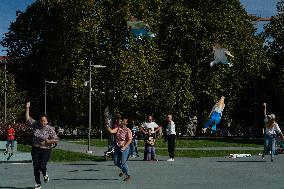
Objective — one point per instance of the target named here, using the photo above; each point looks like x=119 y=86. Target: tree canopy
x=56 y=40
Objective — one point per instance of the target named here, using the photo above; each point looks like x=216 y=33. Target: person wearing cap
x=271 y=128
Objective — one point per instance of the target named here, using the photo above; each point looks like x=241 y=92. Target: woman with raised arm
x=123 y=138
x=44 y=137
x=215 y=115
x=271 y=128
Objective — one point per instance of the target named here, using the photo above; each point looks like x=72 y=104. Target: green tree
x=274 y=85
x=188 y=30
x=14 y=99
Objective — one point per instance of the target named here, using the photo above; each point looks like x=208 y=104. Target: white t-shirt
x=272 y=130
x=151 y=125
x=219 y=54
x=171 y=128
x=218 y=109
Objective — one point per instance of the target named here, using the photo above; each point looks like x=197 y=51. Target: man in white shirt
x=145 y=126
x=171 y=137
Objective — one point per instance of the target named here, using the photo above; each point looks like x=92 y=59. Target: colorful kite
x=139 y=28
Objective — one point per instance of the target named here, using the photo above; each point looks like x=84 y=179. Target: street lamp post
x=90 y=103
x=101 y=119
x=45 y=82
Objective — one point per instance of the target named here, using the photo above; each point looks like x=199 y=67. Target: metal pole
x=45 y=92
x=101 y=129
x=45 y=96
x=90 y=108
x=90 y=103
x=5 y=92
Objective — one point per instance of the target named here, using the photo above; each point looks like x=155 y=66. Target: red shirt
x=11 y=134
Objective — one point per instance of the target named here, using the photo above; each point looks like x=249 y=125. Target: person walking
x=10 y=140
x=44 y=136
x=123 y=138
x=171 y=137
x=271 y=128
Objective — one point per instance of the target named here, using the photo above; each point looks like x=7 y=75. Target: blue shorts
x=10 y=142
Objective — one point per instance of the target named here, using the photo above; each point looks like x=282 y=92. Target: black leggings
x=40 y=158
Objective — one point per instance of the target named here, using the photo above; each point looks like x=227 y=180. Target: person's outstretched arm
x=264 y=110
x=27 y=114
x=228 y=53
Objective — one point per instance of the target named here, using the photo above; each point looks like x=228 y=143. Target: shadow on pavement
x=243 y=161
x=9 y=187
x=82 y=179
x=80 y=164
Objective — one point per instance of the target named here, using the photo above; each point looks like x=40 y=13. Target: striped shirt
x=123 y=135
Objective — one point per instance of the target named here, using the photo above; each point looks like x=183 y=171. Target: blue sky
x=8 y=8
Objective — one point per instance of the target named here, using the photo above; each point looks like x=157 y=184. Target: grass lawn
x=205 y=153
x=186 y=142
x=67 y=156
x=58 y=155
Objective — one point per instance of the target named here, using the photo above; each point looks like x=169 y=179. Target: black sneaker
x=46 y=178
x=6 y=152
x=271 y=159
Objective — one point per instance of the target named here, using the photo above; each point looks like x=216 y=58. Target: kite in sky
x=139 y=28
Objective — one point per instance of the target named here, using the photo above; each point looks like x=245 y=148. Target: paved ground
x=193 y=173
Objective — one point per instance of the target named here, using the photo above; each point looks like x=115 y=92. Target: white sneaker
x=212 y=63
x=46 y=178
x=171 y=159
x=37 y=186
x=231 y=64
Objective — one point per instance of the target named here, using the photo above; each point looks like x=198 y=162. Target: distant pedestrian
x=271 y=128
x=134 y=144
x=10 y=140
x=150 y=144
x=114 y=124
x=171 y=137
x=123 y=138
x=44 y=136
x=143 y=128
